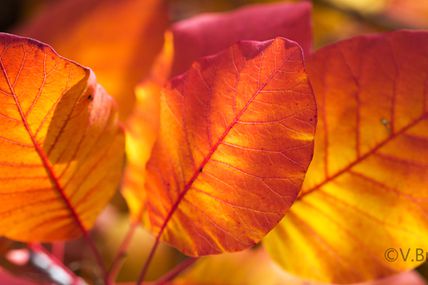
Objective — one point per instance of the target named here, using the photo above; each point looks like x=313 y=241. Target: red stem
x=176 y=271
x=122 y=252
x=97 y=256
x=148 y=261
x=38 y=249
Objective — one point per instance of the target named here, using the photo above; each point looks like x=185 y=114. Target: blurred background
x=332 y=20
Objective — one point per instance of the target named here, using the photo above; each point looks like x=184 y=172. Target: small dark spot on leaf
x=90 y=97
x=384 y=122
x=201 y=169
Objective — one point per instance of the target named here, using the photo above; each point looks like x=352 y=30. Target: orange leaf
x=209 y=34
x=118 y=39
x=60 y=144
x=366 y=189
x=236 y=138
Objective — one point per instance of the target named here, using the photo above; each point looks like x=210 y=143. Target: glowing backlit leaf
x=367 y=188
x=236 y=138
x=61 y=150
x=117 y=39
x=211 y=33
x=206 y=35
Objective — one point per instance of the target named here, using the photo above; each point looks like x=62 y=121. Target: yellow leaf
x=366 y=190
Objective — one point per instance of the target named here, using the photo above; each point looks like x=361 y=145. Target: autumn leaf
x=236 y=138
x=61 y=150
x=366 y=189
x=117 y=39
x=254 y=267
x=210 y=33
x=205 y=35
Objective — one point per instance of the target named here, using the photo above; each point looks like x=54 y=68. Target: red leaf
x=208 y=34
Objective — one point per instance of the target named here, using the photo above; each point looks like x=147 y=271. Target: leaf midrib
x=213 y=149
x=42 y=155
x=364 y=157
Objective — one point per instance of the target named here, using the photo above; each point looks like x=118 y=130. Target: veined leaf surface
x=61 y=150
x=206 y=35
x=236 y=138
x=367 y=188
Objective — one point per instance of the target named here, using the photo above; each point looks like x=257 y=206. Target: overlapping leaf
x=61 y=149
x=366 y=190
x=117 y=39
x=236 y=138
x=207 y=34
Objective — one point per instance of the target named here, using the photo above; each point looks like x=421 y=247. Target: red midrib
x=363 y=157
x=45 y=160
x=213 y=149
